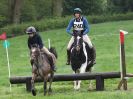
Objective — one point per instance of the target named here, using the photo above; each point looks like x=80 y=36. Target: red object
x=3 y=36
x=122 y=37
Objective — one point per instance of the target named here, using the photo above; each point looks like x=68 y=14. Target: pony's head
x=34 y=52
x=78 y=42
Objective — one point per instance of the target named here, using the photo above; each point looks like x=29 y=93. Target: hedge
x=55 y=23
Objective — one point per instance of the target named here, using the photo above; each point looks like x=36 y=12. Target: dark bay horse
x=41 y=67
x=82 y=57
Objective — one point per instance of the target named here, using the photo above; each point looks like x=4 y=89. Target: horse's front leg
x=32 y=84
x=77 y=82
x=50 y=83
x=82 y=70
x=75 y=85
x=90 y=81
x=45 y=85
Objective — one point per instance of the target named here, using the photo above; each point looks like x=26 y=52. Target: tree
x=28 y=11
x=43 y=8
x=119 y=6
x=88 y=6
x=14 y=10
x=57 y=7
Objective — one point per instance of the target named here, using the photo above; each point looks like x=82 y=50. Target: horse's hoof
x=90 y=88
x=76 y=88
x=45 y=94
x=33 y=92
x=50 y=92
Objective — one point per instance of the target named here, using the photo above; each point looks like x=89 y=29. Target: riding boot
x=68 y=57
x=93 y=55
x=53 y=67
x=31 y=61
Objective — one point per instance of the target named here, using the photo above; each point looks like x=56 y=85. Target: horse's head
x=34 y=52
x=78 y=41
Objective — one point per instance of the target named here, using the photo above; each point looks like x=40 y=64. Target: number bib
x=78 y=25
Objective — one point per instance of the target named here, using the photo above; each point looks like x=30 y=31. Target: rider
x=80 y=25
x=35 y=38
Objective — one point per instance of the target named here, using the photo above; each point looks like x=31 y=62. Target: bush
x=3 y=20
x=107 y=18
x=54 y=23
x=43 y=25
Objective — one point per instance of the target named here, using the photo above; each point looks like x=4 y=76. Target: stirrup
x=68 y=63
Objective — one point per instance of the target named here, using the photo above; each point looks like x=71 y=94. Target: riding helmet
x=30 y=29
x=77 y=10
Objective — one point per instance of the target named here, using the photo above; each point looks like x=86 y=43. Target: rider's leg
x=51 y=58
x=31 y=62
x=87 y=40
x=68 y=50
x=93 y=51
x=93 y=55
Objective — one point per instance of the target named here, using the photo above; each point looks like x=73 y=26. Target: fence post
x=122 y=61
x=99 y=83
x=28 y=84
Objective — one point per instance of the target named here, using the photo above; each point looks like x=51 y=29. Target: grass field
x=105 y=37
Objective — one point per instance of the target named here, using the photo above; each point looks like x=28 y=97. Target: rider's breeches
x=85 y=38
x=70 y=43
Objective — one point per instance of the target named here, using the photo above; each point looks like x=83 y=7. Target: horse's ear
x=37 y=46
x=31 y=46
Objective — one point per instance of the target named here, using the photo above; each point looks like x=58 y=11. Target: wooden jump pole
x=99 y=77
x=123 y=81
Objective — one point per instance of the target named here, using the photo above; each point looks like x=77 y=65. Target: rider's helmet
x=77 y=10
x=30 y=30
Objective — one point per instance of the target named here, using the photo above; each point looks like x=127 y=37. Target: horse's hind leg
x=32 y=84
x=50 y=83
x=77 y=82
x=45 y=86
x=90 y=81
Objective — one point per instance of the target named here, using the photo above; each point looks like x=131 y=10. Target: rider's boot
x=68 y=57
x=93 y=55
x=53 y=67
x=31 y=62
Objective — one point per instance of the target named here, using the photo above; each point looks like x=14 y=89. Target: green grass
x=105 y=37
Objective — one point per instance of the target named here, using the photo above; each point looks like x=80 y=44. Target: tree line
x=19 y=11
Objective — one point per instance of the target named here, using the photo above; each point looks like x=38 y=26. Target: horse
x=82 y=57
x=41 y=62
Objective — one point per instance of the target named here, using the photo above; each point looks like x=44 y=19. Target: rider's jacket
x=36 y=39
x=79 y=25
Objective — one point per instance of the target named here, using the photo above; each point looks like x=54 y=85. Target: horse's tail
x=53 y=50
